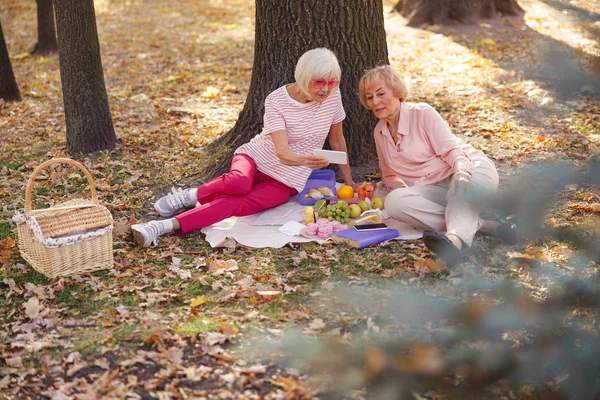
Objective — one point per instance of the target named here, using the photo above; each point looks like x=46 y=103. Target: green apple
x=377 y=202
x=355 y=210
x=364 y=206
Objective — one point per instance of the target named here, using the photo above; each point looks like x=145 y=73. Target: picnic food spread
x=328 y=210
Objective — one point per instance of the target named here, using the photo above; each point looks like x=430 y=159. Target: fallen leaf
x=317 y=324
x=228 y=329
x=102 y=363
x=524 y=256
x=122 y=227
x=14 y=362
x=375 y=361
x=289 y=383
x=198 y=301
x=427 y=265
x=423 y=358
x=5 y=256
x=256 y=369
x=210 y=92
x=4 y=382
x=269 y=294
x=213 y=338
x=32 y=308
x=219 y=267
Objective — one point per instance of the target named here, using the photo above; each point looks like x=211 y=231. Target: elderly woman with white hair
x=275 y=164
x=435 y=181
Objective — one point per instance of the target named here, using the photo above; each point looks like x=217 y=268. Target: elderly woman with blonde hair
x=275 y=164
x=435 y=181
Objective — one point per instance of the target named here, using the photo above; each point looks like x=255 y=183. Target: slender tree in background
x=9 y=90
x=442 y=11
x=46 y=29
x=284 y=31
x=89 y=123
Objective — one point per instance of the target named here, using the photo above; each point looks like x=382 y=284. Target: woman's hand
x=354 y=185
x=315 y=162
x=459 y=184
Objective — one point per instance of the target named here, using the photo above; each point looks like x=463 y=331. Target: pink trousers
x=244 y=190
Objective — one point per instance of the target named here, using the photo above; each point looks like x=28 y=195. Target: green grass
x=128 y=299
x=85 y=341
x=201 y=324
x=194 y=289
x=272 y=310
x=6 y=230
x=30 y=275
x=12 y=163
x=129 y=332
x=79 y=299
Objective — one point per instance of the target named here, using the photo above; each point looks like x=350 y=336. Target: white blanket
x=261 y=230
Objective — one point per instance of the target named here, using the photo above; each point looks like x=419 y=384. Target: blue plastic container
x=318 y=178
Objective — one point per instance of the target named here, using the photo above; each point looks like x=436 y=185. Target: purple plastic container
x=318 y=178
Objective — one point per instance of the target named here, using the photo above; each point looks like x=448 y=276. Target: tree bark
x=9 y=90
x=284 y=31
x=88 y=120
x=46 y=28
x=419 y=12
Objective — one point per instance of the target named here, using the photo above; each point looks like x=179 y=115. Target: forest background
x=185 y=320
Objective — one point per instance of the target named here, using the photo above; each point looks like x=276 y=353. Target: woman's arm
x=444 y=143
x=338 y=143
x=288 y=157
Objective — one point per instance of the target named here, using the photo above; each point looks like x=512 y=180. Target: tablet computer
x=334 y=157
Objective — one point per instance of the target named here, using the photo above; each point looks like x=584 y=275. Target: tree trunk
x=46 y=29
x=88 y=119
x=419 y=12
x=353 y=30
x=9 y=90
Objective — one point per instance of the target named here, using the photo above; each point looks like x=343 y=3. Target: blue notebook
x=357 y=239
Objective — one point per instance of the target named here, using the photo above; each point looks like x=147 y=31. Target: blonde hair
x=390 y=77
x=320 y=63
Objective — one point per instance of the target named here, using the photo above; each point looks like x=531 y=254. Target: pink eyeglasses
x=321 y=83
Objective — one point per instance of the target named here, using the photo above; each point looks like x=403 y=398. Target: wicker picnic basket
x=68 y=238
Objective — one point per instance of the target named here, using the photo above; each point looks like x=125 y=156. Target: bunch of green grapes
x=338 y=212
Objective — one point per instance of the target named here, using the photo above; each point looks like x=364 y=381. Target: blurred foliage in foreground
x=496 y=339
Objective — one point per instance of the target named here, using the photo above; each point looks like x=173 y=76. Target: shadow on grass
x=553 y=65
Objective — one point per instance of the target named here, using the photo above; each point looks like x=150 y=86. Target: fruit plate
x=318 y=178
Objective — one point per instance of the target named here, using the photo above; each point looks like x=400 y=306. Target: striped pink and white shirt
x=307 y=126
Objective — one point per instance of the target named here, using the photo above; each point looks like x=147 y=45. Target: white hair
x=318 y=63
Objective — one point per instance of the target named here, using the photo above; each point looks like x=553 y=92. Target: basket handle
x=57 y=161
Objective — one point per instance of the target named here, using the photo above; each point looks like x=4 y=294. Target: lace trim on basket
x=61 y=241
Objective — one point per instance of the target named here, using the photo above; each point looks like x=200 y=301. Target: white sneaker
x=175 y=202
x=146 y=234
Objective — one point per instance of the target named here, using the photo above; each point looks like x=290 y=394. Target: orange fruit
x=345 y=192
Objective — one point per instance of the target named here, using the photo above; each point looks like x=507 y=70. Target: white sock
x=193 y=193
x=166 y=226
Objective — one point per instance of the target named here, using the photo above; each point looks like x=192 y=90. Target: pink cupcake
x=325 y=231
x=311 y=229
x=336 y=226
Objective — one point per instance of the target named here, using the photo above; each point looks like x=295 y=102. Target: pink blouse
x=427 y=151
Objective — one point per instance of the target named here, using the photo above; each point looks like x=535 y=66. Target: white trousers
x=434 y=207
